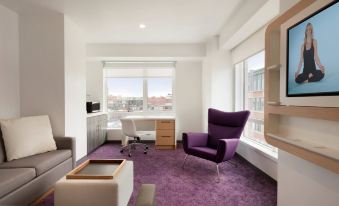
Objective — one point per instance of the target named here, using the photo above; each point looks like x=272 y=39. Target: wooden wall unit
x=282 y=128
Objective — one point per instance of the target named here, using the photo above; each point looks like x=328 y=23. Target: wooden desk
x=164 y=128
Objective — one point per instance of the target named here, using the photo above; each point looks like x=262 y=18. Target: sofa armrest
x=226 y=149
x=67 y=143
x=194 y=139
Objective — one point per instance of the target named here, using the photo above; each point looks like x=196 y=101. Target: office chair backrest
x=128 y=127
x=225 y=125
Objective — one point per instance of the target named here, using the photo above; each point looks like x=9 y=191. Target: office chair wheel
x=146 y=147
x=145 y=152
x=130 y=155
x=121 y=151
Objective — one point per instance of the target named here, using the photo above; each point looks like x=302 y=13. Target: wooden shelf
x=275 y=103
x=313 y=147
x=324 y=113
x=279 y=118
x=319 y=154
x=275 y=67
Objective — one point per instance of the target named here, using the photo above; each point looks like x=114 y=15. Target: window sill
x=258 y=148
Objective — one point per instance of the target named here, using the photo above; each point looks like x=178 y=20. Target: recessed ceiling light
x=142 y=26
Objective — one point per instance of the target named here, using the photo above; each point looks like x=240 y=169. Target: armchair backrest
x=225 y=125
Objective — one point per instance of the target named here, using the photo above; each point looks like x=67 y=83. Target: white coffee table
x=89 y=192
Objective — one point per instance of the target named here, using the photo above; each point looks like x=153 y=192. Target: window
x=132 y=91
x=159 y=94
x=249 y=95
x=124 y=94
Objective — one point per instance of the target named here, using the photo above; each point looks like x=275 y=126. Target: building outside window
x=249 y=95
x=160 y=94
x=124 y=94
x=137 y=91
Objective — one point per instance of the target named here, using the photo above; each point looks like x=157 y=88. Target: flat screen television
x=313 y=54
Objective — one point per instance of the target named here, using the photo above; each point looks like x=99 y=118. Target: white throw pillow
x=27 y=136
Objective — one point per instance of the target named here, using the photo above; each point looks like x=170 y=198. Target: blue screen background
x=326 y=32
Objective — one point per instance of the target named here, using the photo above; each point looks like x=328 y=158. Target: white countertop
x=149 y=117
x=94 y=114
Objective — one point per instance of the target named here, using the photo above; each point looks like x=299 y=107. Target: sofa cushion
x=41 y=162
x=27 y=136
x=11 y=179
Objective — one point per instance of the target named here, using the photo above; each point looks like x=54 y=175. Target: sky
x=257 y=61
x=133 y=87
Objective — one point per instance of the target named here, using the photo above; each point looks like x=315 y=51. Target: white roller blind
x=254 y=44
x=156 y=64
x=138 y=69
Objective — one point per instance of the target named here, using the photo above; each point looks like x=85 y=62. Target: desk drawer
x=165 y=137
x=165 y=124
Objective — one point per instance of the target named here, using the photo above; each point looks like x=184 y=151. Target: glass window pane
x=254 y=99
x=255 y=70
x=160 y=94
x=123 y=95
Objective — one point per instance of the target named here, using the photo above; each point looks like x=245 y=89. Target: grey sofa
x=24 y=180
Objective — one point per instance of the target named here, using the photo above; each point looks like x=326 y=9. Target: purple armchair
x=219 y=145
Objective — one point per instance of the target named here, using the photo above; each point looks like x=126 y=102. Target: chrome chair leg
x=129 y=151
x=218 y=173
x=132 y=145
x=183 y=164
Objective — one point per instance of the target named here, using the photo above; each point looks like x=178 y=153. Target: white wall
x=42 y=66
x=188 y=97
x=9 y=64
x=259 y=159
x=106 y=52
x=94 y=82
x=53 y=72
x=303 y=183
x=75 y=86
x=217 y=80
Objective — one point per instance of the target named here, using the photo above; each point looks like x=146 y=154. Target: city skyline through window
x=137 y=94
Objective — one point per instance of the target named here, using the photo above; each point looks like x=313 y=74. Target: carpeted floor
x=197 y=183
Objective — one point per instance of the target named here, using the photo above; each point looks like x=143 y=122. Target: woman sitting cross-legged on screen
x=309 y=56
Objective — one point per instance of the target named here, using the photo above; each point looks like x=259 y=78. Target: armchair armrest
x=226 y=149
x=64 y=143
x=194 y=139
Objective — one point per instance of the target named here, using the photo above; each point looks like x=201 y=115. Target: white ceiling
x=167 y=21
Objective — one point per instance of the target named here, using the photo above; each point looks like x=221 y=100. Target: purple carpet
x=197 y=183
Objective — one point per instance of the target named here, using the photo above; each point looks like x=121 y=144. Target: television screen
x=313 y=54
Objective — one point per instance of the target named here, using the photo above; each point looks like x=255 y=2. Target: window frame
x=270 y=150
x=145 y=96
x=144 y=75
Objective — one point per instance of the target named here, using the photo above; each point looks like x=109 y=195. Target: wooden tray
x=97 y=169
